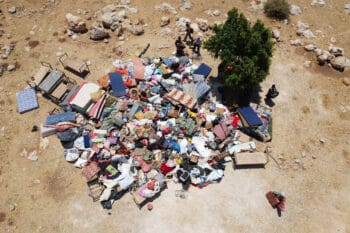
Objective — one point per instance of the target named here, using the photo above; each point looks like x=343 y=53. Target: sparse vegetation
x=278 y=9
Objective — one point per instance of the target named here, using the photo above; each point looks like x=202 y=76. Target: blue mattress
x=27 y=100
x=117 y=84
x=250 y=116
x=61 y=117
x=203 y=69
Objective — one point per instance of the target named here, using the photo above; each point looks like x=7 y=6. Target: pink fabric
x=139 y=69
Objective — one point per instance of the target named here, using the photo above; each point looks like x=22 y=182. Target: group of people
x=195 y=44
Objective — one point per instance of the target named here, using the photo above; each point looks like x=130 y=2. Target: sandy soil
x=311 y=121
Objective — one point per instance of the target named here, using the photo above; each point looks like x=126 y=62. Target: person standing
x=196 y=46
x=272 y=92
x=179 y=47
x=189 y=31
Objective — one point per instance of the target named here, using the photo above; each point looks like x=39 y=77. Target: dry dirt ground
x=50 y=195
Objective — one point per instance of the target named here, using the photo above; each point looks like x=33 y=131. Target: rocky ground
x=40 y=192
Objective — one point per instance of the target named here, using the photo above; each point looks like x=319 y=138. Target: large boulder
x=340 y=62
x=294 y=10
x=97 y=32
x=75 y=23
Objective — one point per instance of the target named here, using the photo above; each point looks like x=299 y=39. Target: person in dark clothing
x=179 y=47
x=220 y=70
x=196 y=46
x=272 y=92
x=189 y=32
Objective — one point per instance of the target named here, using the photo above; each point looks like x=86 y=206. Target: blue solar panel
x=27 y=100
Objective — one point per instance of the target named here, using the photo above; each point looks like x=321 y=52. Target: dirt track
x=50 y=195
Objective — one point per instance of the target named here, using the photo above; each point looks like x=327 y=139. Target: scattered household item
x=26 y=100
x=79 y=68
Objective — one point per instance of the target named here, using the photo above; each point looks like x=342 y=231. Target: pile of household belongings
x=152 y=120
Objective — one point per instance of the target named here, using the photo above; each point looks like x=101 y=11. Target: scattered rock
x=310 y=47
x=12 y=10
x=33 y=156
x=294 y=10
x=319 y=2
x=24 y=153
x=117 y=28
x=166 y=7
x=346 y=81
x=302 y=26
x=186 y=6
x=74 y=37
x=97 y=32
x=322 y=59
x=59 y=53
x=1 y=72
x=165 y=20
x=12 y=207
x=347 y=8
x=125 y=2
x=318 y=51
x=307 y=64
x=110 y=18
x=11 y=67
x=8 y=49
x=36 y=181
x=314 y=157
x=136 y=29
x=75 y=23
x=276 y=34
x=339 y=63
x=297 y=161
x=166 y=31
x=44 y=143
x=2 y=131
x=109 y=8
x=336 y=51
x=307 y=33
x=333 y=40
x=202 y=24
x=296 y=42
x=322 y=140
x=69 y=32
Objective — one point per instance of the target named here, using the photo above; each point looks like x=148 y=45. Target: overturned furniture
x=80 y=69
x=52 y=83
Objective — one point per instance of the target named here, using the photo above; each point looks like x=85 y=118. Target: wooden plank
x=247 y=158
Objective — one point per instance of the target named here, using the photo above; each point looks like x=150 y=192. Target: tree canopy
x=248 y=49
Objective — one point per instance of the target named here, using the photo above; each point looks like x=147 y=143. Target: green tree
x=248 y=49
